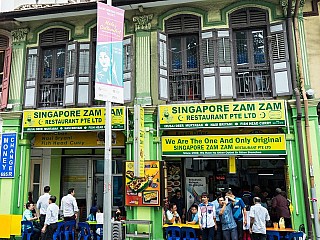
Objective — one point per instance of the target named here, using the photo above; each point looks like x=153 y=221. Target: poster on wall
x=143 y=191
x=195 y=186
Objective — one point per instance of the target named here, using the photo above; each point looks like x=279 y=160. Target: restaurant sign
x=77 y=139
x=219 y=115
x=224 y=145
x=72 y=119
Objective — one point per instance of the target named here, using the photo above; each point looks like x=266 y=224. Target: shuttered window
x=5 y=64
x=184 y=58
x=251 y=50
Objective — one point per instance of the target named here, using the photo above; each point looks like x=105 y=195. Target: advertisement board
x=109 y=54
x=72 y=119
x=225 y=114
x=209 y=145
x=8 y=155
x=143 y=191
x=195 y=186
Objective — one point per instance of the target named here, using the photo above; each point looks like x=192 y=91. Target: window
x=35 y=181
x=183 y=46
x=5 y=64
x=52 y=69
x=252 y=65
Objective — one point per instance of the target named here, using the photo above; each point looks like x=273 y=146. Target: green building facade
x=191 y=54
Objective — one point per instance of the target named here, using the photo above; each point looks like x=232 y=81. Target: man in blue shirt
x=238 y=208
x=229 y=226
x=218 y=233
x=194 y=219
x=28 y=216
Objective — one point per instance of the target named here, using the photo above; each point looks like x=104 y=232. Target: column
x=143 y=59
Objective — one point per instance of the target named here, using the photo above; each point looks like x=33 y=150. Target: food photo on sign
x=143 y=191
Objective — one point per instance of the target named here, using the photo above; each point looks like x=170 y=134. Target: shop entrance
x=257 y=175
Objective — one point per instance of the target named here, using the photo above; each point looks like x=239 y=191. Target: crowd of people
x=231 y=217
x=45 y=214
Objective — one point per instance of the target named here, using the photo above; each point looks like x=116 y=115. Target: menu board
x=143 y=191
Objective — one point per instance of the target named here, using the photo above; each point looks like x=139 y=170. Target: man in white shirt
x=50 y=223
x=207 y=217
x=172 y=214
x=42 y=205
x=258 y=217
x=69 y=206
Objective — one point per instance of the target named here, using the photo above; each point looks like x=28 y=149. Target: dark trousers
x=69 y=218
x=208 y=233
x=258 y=236
x=50 y=231
x=240 y=229
x=287 y=222
x=42 y=219
x=230 y=234
x=36 y=234
x=218 y=233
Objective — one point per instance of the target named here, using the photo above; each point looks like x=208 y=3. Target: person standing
x=69 y=206
x=281 y=206
x=258 y=218
x=229 y=226
x=179 y=201
x=207 y=217
x=218 y=233
x=239 y=213
x=42 y=205
x=51 y=219
x=28 y=216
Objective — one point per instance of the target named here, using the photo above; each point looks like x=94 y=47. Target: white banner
x=195 y=186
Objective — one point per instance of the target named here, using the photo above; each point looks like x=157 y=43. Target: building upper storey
x=173 y=51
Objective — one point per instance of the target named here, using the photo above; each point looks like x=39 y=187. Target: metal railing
x=253 y=84
x=51 y=95
x=185 y=87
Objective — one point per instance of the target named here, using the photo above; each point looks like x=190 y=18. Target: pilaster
x=143 y=59
x=18 y=63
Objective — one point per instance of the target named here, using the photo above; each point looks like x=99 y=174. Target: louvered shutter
x=6 y=78
x=83 y=92
x=226 y=76
x=163 y=67
x=127 y=68
x=31 y=78
x=280 y=60
x=208 y=65
x=70 y=77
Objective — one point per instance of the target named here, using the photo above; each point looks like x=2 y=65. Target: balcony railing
x=51 y=95
x=185 y=87
x=253 y=84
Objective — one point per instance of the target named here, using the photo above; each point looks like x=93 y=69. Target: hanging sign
x=218 y=115
x=109 y=75
x=224 y=144
x=139 y=141
x=72 y=119
x=8 y=154
x=143 y=191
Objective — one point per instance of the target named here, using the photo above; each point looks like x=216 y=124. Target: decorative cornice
x=47 y=5
x=284 y=5
x=314 y=11
x=19 y=35
x=142 y=22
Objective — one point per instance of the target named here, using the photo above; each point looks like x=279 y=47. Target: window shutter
x=280 y=60
x=226 y=76
x=70 y=77
x=84 y=92
x=163 y=67
x=209 y=89
x=6 y=78
x=127 y=68
x=31 y=78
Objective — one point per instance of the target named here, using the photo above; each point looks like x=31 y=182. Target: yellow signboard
x=76 y=139
x=228 y=114
x=224 y=145
x=72 y=119
x=141 y=142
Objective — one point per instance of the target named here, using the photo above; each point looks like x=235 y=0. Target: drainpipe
x=299 y=117
x=307 y=128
